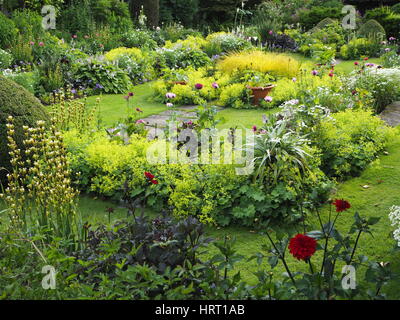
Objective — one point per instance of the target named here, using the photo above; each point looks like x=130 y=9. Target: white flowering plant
x=394 y=217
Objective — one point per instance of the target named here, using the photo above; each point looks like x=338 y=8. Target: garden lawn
x=372 y=194
x=113 y=107
x=242 y=117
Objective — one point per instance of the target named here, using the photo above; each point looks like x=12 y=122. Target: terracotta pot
x=259 y=93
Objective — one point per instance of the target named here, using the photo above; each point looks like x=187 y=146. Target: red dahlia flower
x=302 y=247
x=149 y=175
x=341 y=205
x=154 y=181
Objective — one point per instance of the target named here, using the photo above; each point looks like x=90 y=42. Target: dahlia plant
x=326 y=278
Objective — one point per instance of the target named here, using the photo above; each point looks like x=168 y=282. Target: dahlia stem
x=282 y=258
x=311 y=267
x=355 y=246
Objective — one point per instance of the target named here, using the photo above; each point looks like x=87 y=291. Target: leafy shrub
x=5 y=59
x=101 y=76
x=183 y=57
x=235 y=96
x=222 y=42
x=175 y=31
x=358 y=48
x=306 y=88
x=281 y=42
x=171 y=237
x=194 y=42
x=8 y=32
x=22 y=51
x=187 y=93
x=17 y=102
x=350 y=142
x=77 y=18
x=272 y=63
x=139 y=39
x=29 y=24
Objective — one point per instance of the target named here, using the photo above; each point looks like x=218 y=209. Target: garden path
x=155 y=123
x=391 y=115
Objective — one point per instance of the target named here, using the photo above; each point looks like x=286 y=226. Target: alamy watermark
x=209 y=146
x=349 y=280
x=49 y=280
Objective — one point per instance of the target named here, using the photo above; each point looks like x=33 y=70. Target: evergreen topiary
x=372 y=29
x=19 y=103
x=323 y=23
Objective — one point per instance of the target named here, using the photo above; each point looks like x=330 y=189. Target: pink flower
x=314 y=72
x=268 y=99
x=126 y=97
x=140 y=121
x=41 y=44
x=31 y=43
x=86 y=37
x=294 y=79
x=356 y=63
x=387 y=49
x=270 y=32
x=254 y=128
x=170 y=95
x=215 y=85
x=392 y=38
x=74 y=36
x=198 y=86
x=331 y=74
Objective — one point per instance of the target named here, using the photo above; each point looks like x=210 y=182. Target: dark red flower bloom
x=302 y=247
x=149 y=175
x=154 y=181
x=198 y=86
x=341 y=205
x=130 y=94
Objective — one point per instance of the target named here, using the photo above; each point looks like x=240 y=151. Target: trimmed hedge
x=16 y=101
x=372 y=29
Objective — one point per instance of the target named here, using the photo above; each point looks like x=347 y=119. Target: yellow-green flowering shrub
x=212 y=193
x=235 y=96
x=288 y=89
x=114 y=54
x=196 y=42
x=350 y=141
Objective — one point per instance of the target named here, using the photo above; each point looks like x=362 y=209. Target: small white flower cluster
x=394 y=217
